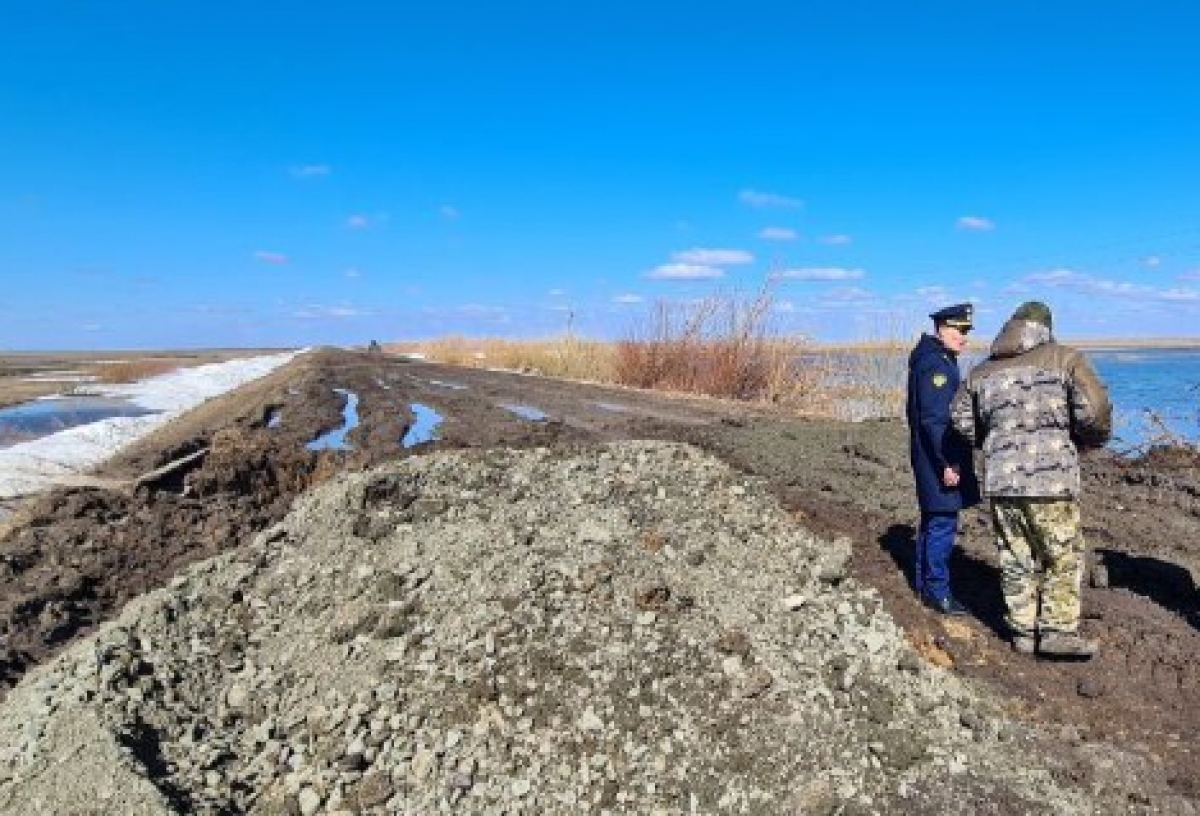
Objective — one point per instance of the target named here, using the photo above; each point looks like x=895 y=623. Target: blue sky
x=185 y=173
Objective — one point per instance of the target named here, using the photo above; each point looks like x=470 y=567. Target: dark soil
x=73 y=557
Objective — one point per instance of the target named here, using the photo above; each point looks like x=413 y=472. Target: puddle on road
x=425 y=428
x=336 y=439
x=525 y=412
x=453 y=385
x=615 y=407
x=33 y=420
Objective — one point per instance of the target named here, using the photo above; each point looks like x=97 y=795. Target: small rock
x=309 y=800
x=733 y=641
x=756 y=682
x=794 y=602
x=590 y=721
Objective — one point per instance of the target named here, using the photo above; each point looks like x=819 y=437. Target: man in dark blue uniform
x=941 y=459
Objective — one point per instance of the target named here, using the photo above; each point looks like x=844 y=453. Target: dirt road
x=72 y=558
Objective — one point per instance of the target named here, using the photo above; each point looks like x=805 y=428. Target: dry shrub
x=722 y=346
x=127 y=371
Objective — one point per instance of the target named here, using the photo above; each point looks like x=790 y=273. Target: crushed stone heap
x=634 y=628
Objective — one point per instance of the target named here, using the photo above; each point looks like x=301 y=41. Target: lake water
x=1155 y=392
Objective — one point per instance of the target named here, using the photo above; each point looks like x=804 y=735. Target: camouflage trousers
x=1041 y=562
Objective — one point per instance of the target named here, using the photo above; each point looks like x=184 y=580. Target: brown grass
x=724 y=346
x=127 y=371
x=565 y=356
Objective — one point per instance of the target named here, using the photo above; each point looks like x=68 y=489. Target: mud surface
x=72 y=558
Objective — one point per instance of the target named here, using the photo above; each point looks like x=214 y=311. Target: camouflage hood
x=1018 y=337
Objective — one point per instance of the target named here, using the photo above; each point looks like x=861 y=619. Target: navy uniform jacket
x=932 y=380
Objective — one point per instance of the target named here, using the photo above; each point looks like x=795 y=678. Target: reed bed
x=566 y=356
x=724 y=346
x=127 y=371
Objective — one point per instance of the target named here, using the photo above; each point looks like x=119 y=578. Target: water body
x=425 y=428
x=1147 y=386
x=526 y=412
x=336 y=439
x=33 y=420
x=1151 y=383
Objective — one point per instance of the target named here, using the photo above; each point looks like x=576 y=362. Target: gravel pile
x=628 y=629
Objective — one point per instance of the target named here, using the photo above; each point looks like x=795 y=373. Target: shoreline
x=981 y=344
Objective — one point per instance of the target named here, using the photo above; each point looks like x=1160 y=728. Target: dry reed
x=565 y=356
x=723 y=346
x=127 y=371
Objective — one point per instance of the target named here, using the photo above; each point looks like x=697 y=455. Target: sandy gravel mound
x=635 y=628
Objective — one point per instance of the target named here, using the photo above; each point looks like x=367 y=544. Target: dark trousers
x=935 y=540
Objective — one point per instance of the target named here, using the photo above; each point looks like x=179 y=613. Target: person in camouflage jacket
x=1031 y=407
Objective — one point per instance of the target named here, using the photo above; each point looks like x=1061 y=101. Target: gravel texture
x=630 y=628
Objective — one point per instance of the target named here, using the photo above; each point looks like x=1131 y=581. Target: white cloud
x=836 y=240
x=557 y=292
x=317 y=312
x=358 y=222
x=1103 y=287
x=934 y=292
x=311 y=170
x=480 y=310
x=849 y=295
x=352 y=273
x=713 y=257
x=1179 y=295
x=628 y=299
x=777 y=234
x=975 y=223
x=1055 y=277
x=820 y=273
x=762 y=201
x=1153 y=260
x=684 y=271
x=785 y=307
x=91 y=327
x=275 y=258
x=1194 y=274
x=448 y=212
